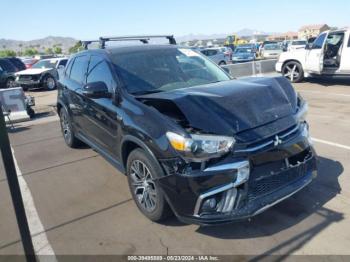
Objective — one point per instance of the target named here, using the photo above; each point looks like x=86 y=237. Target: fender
x=141 y=144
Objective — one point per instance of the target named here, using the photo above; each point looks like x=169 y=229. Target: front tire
x=10 y=83
x=144 y=188
x=49 y=82
x=293 y=71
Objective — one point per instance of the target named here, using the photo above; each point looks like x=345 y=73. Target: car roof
x=54 y=59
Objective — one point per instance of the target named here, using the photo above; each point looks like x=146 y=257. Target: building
x=308 y=31
x=283 y=37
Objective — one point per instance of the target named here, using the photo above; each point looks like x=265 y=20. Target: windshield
x=299 y=43
x=243 y=50
x=167 y=69
x=45 y=64
x=272 y=47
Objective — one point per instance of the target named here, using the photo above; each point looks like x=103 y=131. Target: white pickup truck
x=328 y=55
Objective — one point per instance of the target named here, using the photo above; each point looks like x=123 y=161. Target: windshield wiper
x=145 y=92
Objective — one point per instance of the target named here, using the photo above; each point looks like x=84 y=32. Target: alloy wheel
x=50 y=83
x=143 y=185
x=291 y=71
x=65 y=127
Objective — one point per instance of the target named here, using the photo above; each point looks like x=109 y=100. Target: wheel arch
x=293 y=60
x=130 y=143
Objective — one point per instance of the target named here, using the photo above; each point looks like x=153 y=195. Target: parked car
x=217 y=54
x=243 y=54
x=189 y=138
x=262 y=46
x=42 y=74
x=328 y=55
x=271 y=51
x=296 y=44
x=7 y=73
x=29 y=62
x=18 y=64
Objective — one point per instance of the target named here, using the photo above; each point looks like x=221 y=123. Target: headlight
x=199 y=147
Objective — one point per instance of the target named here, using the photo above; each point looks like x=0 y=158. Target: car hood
x=229 y=107
x=33 y=71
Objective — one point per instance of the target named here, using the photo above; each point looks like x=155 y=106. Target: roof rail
x=144 y=39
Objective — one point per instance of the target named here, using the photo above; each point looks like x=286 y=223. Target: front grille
x=284 y=135
x=262 y=183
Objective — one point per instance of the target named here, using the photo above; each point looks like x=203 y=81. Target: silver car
x=271 y=51
x=220 y=55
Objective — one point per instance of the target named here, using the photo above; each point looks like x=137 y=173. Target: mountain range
x=66 y=42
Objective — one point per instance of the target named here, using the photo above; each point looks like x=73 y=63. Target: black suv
x=190 y=139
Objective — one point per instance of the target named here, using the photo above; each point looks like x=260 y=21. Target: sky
x=33 y=19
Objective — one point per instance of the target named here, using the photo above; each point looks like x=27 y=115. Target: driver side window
x=99 y=71
x=318 y=44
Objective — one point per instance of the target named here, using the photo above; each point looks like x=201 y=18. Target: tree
x=6 y=53
x=49 y=51
x=77 y=47
x=30 y=52
x=57 y=50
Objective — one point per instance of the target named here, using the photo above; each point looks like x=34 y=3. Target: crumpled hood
x=33 y=71
x=233 y=106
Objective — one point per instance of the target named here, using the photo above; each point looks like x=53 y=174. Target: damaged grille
x=295 y=167
x=267 y=142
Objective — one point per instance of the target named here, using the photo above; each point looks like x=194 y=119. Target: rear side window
x=349 y=41
x=78 y=70
x=318 y=44
x=99 y=71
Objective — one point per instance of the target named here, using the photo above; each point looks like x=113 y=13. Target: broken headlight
x=200 y=147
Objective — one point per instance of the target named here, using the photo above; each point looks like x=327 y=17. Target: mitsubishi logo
x=277 y=141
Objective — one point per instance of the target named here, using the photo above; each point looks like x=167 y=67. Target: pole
x=15 y=191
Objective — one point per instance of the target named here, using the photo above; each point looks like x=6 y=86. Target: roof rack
x=144 y=39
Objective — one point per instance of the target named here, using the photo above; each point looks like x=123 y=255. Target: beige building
x=308 y=31
x=284 y=36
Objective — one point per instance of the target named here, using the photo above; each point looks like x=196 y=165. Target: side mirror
x=96 y=90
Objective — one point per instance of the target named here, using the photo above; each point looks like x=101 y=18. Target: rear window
x=7 y=66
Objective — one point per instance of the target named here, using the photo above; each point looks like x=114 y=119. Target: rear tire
x=144 y=188
x=293 y=71
x=10 y=83
x=67 y=130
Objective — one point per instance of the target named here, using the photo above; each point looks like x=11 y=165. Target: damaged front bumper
x=224 y=191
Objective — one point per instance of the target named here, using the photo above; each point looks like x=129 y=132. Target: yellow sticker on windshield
x=188 y=52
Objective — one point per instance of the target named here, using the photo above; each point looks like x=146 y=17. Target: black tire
x=158 y=208
x=10 y=82
x=222 y=63
x=293 y=71
x=49 y=82
x=67 y=130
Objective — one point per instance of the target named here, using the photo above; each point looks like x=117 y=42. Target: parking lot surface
x=85 y=207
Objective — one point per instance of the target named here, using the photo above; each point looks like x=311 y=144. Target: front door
x=315 y=55
x=101 y=114
x=345 y=56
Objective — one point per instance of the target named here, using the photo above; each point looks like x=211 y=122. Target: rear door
x=315 y=55
x=72 y=87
